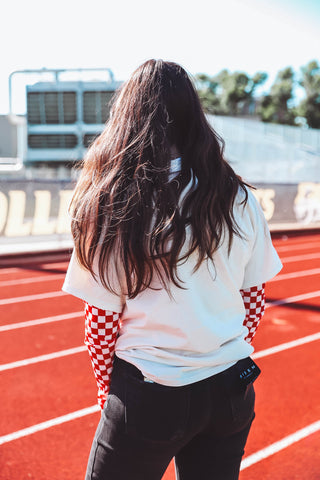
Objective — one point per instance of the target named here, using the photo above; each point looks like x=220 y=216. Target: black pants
x=204 y=426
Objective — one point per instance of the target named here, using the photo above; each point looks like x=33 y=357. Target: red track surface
x=287 y=392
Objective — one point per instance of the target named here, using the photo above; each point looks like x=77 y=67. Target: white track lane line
x=278 y=348
x=49 y=423
x=246 y=462
x=42 y=358
x=48 y=266
x=29 y=298
x=300 y=258
x=280 y=445
x=301 y=273
x=41 y=321
x=44 y=266
x=22 y=281
x=286 y=346
x=58 y=276
x=296 y=298
x=4 y=271
x=71 y=351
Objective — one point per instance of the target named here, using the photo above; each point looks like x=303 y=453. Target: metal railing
x=262 y=152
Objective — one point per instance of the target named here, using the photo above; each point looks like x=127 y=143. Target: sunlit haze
x=204 y=36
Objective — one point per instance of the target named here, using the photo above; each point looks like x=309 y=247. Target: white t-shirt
x=199 y=332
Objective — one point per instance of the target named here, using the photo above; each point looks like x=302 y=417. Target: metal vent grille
x=89 y=138
x=45 y=108
x=96 y=106
x=52 y=141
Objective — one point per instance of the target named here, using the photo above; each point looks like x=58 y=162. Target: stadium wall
x=34 y=213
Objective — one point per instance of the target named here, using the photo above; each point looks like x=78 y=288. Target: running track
x=48 y=392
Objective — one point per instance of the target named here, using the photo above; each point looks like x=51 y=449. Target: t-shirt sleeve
x=264 y=262
x=80 y=283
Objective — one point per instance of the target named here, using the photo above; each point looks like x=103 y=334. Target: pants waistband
x=229 y=373
x=127 y=367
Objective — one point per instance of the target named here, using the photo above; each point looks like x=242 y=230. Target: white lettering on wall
x=13 y=221
x=41 y=223
x=265 y=197
x=16 y=226
x=307 y=202
x=63 y=221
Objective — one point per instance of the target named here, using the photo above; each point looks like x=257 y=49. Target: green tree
x=237 y=89
x=207 y=90
x=227 y=93
x=309 y=107
x=275 y=106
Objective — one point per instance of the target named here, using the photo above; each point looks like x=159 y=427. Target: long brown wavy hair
x=126 y=205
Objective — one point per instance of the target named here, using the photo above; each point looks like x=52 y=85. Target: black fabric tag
x=247 y=371
x=240 y=375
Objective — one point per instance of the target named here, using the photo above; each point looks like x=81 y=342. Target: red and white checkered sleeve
x=101 y=329
x=254 y=300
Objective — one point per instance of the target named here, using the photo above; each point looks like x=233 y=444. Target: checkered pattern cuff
x=101 y=329
x=254 y=302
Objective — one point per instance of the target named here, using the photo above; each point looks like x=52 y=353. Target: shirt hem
x=265 y=279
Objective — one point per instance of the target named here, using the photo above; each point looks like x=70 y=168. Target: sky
x=204 y=36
